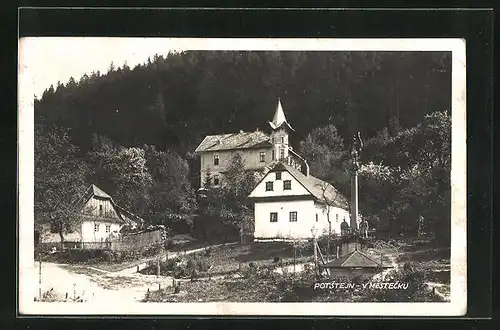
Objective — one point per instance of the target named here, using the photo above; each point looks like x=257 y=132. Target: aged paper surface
x=41 y=63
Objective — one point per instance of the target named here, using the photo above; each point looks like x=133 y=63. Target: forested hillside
x=133 y=130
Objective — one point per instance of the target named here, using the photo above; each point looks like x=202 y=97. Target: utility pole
x=40 y=279
x=357 y=145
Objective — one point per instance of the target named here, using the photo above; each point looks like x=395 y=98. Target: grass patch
x=223 y=260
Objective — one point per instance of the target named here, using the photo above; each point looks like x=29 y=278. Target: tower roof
x=279 y=118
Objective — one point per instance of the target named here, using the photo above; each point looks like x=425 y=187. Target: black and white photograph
x=242 y=176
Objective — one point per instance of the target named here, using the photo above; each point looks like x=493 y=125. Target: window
x=287 y=185
x=336 y=218
x=216 y=159
x=293 y=216
x=96 y=227
x=282 y=153
x=273 y=217
x=269 y=186
x=101 y=211
x=216 y=180
x=316 y=217
x=283 y=139
x=108 y=228
x=278 y=175
x=273 y=155
x=262 y=156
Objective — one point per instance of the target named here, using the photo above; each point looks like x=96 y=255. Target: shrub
x=108 y=256
x=180 y=271
x=203 y=265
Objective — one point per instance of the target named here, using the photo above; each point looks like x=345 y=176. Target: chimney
x=305 y=168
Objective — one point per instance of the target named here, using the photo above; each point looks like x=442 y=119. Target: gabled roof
x=94 y=191
x=279 y=118
x=355 y=259
x=234 y=141
x=98 y=192
x=320 y=189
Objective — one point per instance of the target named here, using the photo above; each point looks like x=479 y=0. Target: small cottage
x=289 y=203
x=100 y=220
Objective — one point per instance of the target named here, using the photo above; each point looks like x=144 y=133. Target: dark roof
x=234 y=141
x=317 y=187
x=355 y=259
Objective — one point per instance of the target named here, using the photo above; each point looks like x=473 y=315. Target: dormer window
x=262 y=156
x=282 y=153
x=101 y=211
x=216 y=159
x=283 y=139
x=269 y=186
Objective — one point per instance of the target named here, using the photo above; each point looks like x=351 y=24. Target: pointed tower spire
x=279 y=118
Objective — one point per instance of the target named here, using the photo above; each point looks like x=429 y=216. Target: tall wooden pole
x=294 y=257
x=40 y=280
x=315 y=254
x=354 y=201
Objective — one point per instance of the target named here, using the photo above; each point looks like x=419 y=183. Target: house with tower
x=259 y=149
x=288 y=201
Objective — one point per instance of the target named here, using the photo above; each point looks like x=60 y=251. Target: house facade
x=291 y=204
x=260 y=150
x=99 y=220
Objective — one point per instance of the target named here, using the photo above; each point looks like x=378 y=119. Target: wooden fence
x=138 y=241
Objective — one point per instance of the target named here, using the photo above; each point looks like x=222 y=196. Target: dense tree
x=171 y=198
x=325 y=153
x=122 y=172
x=59 y=180
x=229 y=202
x=416 y=182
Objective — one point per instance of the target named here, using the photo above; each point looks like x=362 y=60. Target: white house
x=289 y=203
x=99 y=219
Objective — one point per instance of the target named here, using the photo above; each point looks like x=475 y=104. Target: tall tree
x=172 y=199
x=59 y=180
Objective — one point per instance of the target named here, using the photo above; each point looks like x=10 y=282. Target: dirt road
x=92 y=284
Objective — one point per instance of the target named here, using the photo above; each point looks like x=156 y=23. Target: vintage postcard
x=177 y=176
